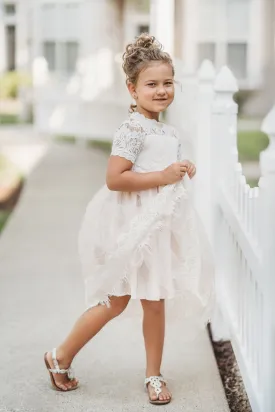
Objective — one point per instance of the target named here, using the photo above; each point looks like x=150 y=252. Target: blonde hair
x=140 y=54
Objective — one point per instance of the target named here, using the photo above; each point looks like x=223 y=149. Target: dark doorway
x=144 y=28
x=10 y=47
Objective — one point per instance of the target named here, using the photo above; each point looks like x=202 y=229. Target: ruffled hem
x=126 y=242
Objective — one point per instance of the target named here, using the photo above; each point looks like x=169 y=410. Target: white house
x=225 y=31
x=82 y=41
x=228 y=32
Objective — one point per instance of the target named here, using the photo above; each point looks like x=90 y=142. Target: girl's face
x=154 y=90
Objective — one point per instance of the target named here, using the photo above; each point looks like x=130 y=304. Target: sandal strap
x=155 y=382
x=56 y=365
x=57 y=369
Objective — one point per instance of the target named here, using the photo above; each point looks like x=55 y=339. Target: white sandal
x=155 y=382
x=57 y=369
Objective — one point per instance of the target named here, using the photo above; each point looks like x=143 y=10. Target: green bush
x=10 y=83
x=4 y=214
x=250 y=144
x=8 y=118
x=241 y=97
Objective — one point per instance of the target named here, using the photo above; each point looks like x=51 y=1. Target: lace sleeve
x=128 y=141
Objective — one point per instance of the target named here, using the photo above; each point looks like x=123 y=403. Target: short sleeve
x=128 y=141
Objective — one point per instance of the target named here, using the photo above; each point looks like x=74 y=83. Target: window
x=237 y=59
x=143 y=28
x=11 y=46
x=61 y=56
x=49 y=54
x=71 y=56
x=206 y=51
x=10 y=9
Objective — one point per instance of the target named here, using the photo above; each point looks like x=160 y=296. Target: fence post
x=267 y=238
x=224 y=137
x=202 y=143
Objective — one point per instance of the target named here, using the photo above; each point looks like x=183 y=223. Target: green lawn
x=103 y=145
x=250 y=144
x=65 y=139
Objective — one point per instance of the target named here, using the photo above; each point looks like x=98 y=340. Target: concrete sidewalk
x=41 y=295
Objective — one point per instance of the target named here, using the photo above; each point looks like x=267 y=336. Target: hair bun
x=146 y=41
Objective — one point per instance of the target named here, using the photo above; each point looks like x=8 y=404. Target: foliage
x=253 y=182
x=10 y=175
x=241 y=97
x=4 y=214
x=8 y=118
x=250 y=144
x=10 y=83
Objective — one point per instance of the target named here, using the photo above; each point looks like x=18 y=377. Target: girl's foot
x=63 y=380
x=157 y=390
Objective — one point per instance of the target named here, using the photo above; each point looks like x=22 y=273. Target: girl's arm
x=121 y=178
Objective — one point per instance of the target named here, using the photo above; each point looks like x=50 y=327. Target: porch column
x=162 y=22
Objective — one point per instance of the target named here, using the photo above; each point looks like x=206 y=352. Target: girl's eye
x=151 y=84
x=169 y=83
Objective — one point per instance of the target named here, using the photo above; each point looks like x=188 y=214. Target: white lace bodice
x=150 y=145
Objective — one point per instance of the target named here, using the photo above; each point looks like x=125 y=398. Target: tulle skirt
x=150 y=245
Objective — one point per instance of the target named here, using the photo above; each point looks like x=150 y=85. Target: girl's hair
x=140 y=54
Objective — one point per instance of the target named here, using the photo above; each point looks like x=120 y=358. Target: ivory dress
x=148 y=244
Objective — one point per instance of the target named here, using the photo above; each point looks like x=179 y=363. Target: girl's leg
x=86 y=327
x=153 y=332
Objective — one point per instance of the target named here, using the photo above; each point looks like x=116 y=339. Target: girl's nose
x=161 y=91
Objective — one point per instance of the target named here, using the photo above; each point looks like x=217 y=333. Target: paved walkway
x=41 y=295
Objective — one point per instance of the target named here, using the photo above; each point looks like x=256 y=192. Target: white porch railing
x=241 y=225
x=77 y=105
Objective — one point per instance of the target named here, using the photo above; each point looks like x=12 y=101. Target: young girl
x=140 y=237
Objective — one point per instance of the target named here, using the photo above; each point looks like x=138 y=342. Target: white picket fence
x=241 y=225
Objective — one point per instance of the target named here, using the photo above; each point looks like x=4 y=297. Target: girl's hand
x=191 y=168
x=174 y=173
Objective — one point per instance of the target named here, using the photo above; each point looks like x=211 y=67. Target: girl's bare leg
x=86 y=327
x=153 y=332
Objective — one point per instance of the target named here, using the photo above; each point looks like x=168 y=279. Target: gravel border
x=230 y=374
